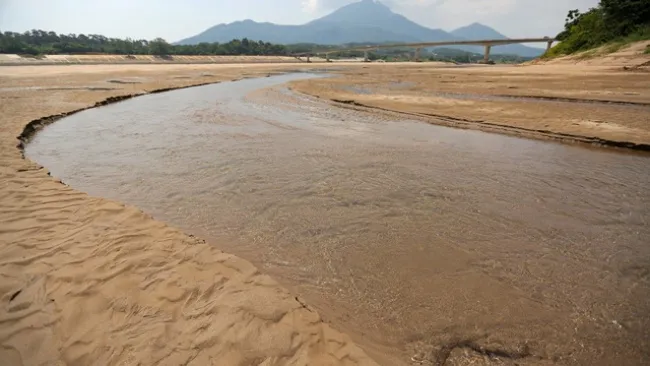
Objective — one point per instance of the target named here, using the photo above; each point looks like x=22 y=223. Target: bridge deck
x=483 y=42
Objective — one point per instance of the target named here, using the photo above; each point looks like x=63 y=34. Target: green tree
x=41 y=42
x=611 y=20
x=625 y=16
x=159 y=47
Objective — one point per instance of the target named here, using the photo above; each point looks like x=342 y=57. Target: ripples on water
x=403 y=233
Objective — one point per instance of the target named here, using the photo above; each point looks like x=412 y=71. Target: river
x=416 y=239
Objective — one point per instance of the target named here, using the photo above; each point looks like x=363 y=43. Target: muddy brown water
x=429 y=245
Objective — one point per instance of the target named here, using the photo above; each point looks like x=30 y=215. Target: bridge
x=487 y=43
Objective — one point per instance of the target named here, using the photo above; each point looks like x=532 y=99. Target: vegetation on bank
x=40 y=42
x=613 y=22
x=37 y=43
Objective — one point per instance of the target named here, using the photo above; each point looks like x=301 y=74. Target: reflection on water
x=412 y=237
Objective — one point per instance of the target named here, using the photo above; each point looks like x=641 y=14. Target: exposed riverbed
x=419 y=240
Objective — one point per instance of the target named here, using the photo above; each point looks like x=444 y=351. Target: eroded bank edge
x=32 y=127
x=450 y=121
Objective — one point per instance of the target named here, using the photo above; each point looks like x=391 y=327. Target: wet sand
x=51 y=226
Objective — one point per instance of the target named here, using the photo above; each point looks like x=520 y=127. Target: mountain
x=364 y=21
x=373 y=14
x=331 y=34
x=478 y=31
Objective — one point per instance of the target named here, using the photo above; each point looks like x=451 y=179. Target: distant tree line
x=609 y=21
x=39 y=42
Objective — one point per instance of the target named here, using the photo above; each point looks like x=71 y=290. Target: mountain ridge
x=363 y=21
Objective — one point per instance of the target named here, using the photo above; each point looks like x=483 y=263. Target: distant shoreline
x=17 y=60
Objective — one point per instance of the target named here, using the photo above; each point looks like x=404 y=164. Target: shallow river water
x=421 y=241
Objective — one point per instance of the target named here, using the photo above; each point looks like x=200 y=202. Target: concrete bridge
x=487 y=43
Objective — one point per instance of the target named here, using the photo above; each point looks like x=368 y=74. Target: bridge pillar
x=327 y=57
x=549 y=44
x=365 y=56
x=486 y=57
x=308 y=58
x=416 y=55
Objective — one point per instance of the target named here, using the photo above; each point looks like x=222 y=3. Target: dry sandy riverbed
x=598 y=104
x=86 y=280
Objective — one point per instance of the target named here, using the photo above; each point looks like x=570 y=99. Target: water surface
x=415 y=238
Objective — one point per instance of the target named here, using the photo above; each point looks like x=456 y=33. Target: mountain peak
x=477 y=31
x=476 y=25
x=373 y=3
x=368 y=4
x=359 y=12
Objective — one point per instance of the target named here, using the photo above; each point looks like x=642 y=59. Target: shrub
x=618 y=21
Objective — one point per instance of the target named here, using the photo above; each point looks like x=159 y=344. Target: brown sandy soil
x=84 y=280
x=547 y=100
x=630 y=56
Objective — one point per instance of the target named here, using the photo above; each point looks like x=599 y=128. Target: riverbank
x=85 y=280
x=593 y=104
x=17 y=60
x=74 y=266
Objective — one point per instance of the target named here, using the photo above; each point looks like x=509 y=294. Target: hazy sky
x=177 y=19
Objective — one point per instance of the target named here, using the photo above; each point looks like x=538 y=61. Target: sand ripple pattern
x=88 y=281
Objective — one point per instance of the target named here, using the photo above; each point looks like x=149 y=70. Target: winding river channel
x=415 y=239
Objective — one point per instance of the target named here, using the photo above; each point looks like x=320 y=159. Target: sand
x=16 y=60
x=84 y=280
x=631 y=56
x=594 y=104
